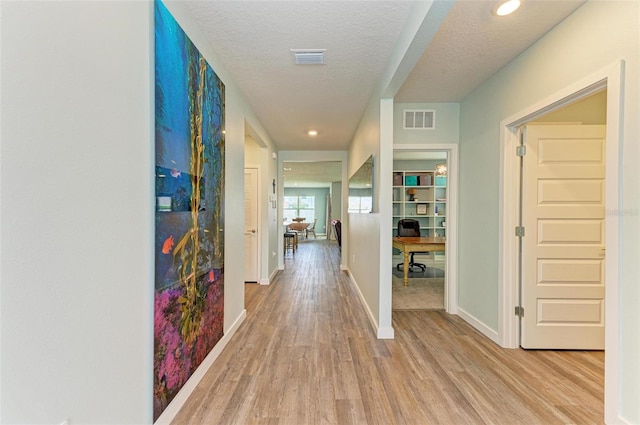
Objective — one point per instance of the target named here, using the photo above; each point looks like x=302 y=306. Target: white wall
x=363 y=230
x=259 y=152
x=77 y=212
x=76 y=285
x=270 y=245
x=596 y=36
x=252 y=152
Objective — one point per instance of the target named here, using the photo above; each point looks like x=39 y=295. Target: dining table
x=298 y=226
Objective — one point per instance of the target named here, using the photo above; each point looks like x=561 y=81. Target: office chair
x=409 y=227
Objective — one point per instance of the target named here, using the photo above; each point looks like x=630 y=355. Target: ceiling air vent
x=308 y=56
x=419 y=119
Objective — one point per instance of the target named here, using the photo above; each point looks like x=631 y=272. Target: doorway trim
x=451 y=247
x=314 y=156
x=611 y=78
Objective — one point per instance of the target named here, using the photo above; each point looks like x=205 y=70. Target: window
x=360 y=204
x=299 y=206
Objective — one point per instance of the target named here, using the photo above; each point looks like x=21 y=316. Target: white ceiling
x=311 y=174
x=253 y=40
x=472 y=45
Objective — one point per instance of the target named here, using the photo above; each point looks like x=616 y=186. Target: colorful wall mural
x=189 y=243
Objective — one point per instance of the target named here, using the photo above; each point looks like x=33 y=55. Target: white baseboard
x=176 y=404
x=381 y=333
x=478 y=325
x=622 y=421
x=268 y=281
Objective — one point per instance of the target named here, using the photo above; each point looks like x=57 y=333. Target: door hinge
x=521 y=150
x=519 y=311
x=520 y=231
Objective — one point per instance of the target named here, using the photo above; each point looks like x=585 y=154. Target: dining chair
x=311 y=229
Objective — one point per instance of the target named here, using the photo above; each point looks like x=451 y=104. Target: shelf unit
x=422 y=196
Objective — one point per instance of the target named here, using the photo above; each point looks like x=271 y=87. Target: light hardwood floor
x=306 y=354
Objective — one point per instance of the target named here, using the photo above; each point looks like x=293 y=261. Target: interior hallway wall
x=77 y=212
x=596 y=36
x=259 y=151
x=446 y=128
x=76 y=285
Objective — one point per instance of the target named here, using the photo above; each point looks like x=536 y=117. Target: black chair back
x=408 y=227
x=337 y=227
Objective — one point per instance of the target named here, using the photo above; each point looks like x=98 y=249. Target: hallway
x=306 y=354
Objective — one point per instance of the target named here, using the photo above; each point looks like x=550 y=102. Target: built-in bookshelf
x=422 y=196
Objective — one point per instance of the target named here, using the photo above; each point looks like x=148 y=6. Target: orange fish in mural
x=211 y=276
x=167 y=245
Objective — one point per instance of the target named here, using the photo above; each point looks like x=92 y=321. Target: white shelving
x=422 y=196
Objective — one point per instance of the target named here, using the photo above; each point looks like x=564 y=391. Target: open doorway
x=311 y=202
x=610 y=78
x=538 y=268
x=424 y=202
x=562 y=255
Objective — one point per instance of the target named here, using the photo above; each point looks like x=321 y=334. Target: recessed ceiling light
x=313 y=132
x=506 y=7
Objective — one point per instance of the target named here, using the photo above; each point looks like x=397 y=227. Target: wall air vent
x=308 y=56
x=419 y=119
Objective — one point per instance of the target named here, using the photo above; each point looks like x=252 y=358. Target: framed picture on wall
x=421 y=209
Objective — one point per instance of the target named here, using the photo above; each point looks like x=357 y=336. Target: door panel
x=563 y=247
x=250 y=225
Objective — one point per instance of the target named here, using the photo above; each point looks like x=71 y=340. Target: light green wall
x=595 y=37
x=447 y=122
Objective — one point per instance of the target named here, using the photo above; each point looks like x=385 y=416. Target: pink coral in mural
x=173 y=367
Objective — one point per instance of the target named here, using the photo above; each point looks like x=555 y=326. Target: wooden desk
x=416 y=244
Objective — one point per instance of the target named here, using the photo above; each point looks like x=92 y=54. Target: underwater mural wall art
x=189 y=242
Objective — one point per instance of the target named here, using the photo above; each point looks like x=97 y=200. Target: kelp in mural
x=189 y=245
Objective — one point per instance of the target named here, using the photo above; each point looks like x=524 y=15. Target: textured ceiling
x=472 y=45
x=311 y=174
x=253 y=40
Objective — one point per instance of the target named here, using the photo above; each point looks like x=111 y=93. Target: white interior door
x=250 y=225
x=563 y=247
